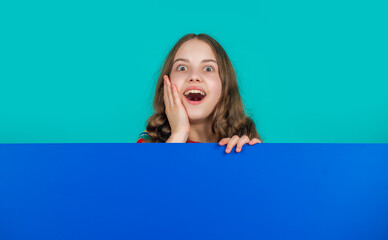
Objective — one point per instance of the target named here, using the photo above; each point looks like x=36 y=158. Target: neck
x=199 y=131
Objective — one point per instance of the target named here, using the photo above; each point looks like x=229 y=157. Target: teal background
x=85 y=71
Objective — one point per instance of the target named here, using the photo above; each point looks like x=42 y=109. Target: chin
x=195 y=117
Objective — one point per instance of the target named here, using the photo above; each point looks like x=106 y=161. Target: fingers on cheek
x=176 y=90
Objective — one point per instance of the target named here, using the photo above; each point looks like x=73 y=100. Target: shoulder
x=143 y=137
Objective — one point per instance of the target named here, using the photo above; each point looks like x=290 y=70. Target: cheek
x=174 y=80
x=177 y=80
x=178 y=84
x=216 y=88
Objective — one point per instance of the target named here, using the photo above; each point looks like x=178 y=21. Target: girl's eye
x=180 y=67
x=208 y=67
x=183 y=68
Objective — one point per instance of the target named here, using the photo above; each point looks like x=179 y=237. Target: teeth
x=194 y=91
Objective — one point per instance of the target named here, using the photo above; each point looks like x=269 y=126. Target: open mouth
x=195 y=96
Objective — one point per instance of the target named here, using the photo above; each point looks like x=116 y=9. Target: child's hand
x=175 y=111
x=240 y=142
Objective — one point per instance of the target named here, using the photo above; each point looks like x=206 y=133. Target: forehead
x=195 y=50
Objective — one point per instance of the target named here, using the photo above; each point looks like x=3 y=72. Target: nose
x=195 y=78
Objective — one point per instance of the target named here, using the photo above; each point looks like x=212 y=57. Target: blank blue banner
x=193 y=191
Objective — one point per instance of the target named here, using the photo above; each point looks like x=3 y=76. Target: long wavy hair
x=227 y=119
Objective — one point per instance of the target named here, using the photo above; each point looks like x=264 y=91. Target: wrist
x=178 y=137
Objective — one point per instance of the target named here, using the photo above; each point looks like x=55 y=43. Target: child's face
x=194 y=72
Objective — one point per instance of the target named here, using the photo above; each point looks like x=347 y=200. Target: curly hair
x=227 y=119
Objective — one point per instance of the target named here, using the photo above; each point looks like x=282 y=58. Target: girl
x=197 y=98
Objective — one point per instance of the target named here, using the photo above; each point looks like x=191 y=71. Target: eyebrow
x=186 y=60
